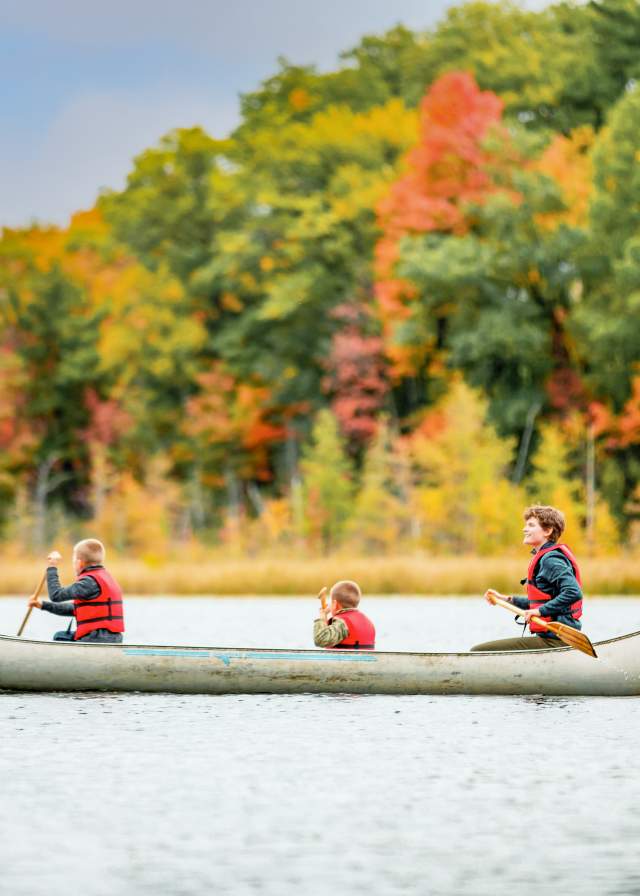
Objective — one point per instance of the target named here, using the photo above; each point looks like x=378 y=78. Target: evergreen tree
x=381 y=511
x=463 y=492
x=328 y=484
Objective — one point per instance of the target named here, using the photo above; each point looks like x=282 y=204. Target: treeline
x=401 y=301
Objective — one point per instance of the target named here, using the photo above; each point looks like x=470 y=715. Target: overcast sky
x=88 y=84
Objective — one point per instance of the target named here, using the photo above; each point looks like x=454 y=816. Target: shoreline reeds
x=277 y=575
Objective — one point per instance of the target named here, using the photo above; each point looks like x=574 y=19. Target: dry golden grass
x=304 y=576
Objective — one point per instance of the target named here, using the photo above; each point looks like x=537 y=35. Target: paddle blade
x=572 y=637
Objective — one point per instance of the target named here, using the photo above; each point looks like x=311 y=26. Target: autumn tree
x=444 y=171
x=54 y=333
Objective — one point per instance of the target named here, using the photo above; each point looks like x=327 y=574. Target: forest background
x=397 y=305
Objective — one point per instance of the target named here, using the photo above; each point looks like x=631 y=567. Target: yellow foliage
x=231 y=302
x=551 y=482
x=88 y=224
x=464 y=497
x=248 y=281
x=135 y=517
x=43 y=246
x=606 y=535
x=341 y=133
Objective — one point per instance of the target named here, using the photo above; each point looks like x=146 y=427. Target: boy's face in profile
x=534 y=534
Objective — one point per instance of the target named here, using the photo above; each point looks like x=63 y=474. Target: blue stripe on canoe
x=229 y=655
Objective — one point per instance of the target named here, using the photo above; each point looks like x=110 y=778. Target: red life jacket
x=538 y=597
x=105 y=610
x=362 y=634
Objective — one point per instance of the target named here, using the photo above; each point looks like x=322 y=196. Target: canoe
x=57 y=666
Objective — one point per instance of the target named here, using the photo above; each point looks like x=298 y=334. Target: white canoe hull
x=54 y=666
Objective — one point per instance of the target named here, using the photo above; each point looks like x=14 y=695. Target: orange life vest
x=362 y=634
x=103 y=611
x=537 y=597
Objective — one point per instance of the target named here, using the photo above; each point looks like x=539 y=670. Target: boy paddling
x=348 y=628
x=553 y=583
x=95 y=598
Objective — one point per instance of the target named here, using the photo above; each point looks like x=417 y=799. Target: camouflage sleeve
x=329 y=634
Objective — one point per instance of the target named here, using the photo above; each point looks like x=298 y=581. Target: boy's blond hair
x=90 y=551
x=347 y=594
x=548 y=517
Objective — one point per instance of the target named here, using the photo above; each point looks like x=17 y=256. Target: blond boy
x=342 y=625
x=94 y=599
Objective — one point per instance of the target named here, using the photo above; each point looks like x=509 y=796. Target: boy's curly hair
x=548 y=517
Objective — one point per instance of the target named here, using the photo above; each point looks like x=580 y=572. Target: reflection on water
x=173 y=794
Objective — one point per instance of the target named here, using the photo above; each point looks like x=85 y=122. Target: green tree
x=54 y=332
x=606 y=320
x=615 y=33
x=306 y=242
x=169 y=211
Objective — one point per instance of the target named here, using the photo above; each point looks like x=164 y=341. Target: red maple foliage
x=107 y=419
x=356 y=376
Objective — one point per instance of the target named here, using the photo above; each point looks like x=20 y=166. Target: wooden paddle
x=35 y=594
x=566 y=633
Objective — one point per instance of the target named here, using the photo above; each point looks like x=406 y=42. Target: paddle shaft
x=517 y=612
x=36 y=593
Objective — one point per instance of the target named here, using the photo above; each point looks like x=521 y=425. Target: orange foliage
x=622 y=430
x=299 y=99
x=233 y=416
x=601 y=419
x=568 y=162
x=629 y=420
x=447 y=167
x=433 y=424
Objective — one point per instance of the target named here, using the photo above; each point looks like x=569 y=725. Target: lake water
x=118 y=794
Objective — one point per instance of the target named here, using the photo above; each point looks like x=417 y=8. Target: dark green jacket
x=554 y=575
